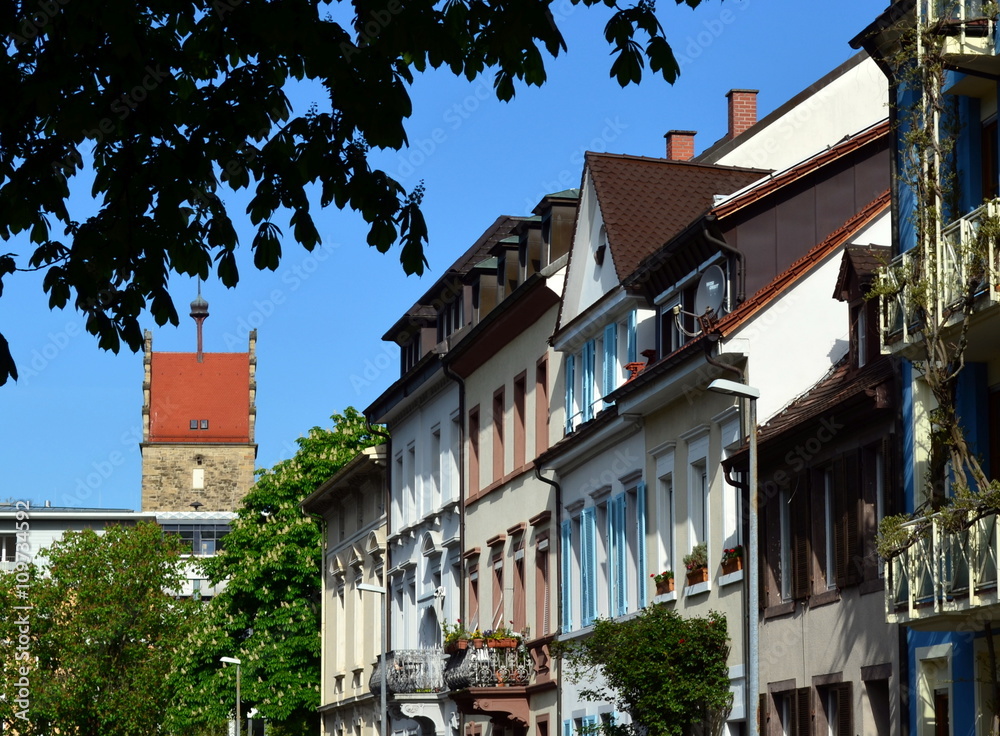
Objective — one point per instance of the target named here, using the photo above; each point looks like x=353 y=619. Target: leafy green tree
x=169 y=104
x=268 y=616
x=668 y=672
x=88 y=642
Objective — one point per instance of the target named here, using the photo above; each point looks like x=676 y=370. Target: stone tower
x=198 y=414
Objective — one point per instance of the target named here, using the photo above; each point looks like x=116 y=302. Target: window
x=520 y=609
x=796 y=548
x=566 y=587
x=666 y=526
x=989 y=159
x=609 y=363
x=635 y=540
x=588 y=566
x=432 y=489
x=792 y=711
x=449 y=316
x=474 y=449
x=836 y=709
x=541 y=406
x=397 y=492
x=698 y=498
x=617 y=555
x=498 y=436
x=409 y=353
x=498 y=601
x=542 y=591
x=197 y=424
x=198 y=479
x=587 y=378
x=194 y=424
x=204 y=424
x=8 y=549
x=410 y=479
x=520 y=389
x=473 y=596
x=829 y=562
x=199 y=539
x=570 y=393
x=671 y=337
x=631 y=346
x=848 y=556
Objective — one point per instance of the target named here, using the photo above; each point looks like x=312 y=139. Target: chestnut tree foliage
x=161 y=106
x=88 y=642
x=670 y=673
x=268 y=616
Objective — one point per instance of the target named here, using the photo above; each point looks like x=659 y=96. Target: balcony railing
x=410 y=671
x=969 y=35
x=944 y=575
x=956 y=264
x=488 y=667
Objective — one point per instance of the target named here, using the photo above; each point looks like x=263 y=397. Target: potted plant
x=664 y=581
x=732 y=559
x=696 y=564
x=478 y=640
x=456 y=637
x=501 y=638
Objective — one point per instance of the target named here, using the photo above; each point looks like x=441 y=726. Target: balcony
x=946 y=580
x=410 y=671
x=492 y=682
x=969 y=35
x=953 y=266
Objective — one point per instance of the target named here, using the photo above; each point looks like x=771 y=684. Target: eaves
x=605 y=430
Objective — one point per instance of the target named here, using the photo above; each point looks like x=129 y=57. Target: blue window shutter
x=620 y=547
x=633 y=349
x=570 y=378
x=588 y=567
x=610 y=357
x=567 y=728
x=612 y=561
x=567 y=576
x=640 y=518
x=587 y=381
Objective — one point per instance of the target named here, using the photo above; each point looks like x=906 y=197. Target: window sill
x=733 y=577
x=697 y=588
x=666 y=597
x=825 y=598
x=781 y=609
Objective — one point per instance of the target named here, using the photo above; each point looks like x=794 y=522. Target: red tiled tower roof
x=214 y=393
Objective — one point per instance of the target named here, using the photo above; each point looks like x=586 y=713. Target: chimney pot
x=742 y=110
x=680 y=145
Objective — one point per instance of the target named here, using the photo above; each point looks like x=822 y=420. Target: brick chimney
x=742 y=110
x=680 y=145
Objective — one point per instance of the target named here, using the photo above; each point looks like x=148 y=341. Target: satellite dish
x=711 y=291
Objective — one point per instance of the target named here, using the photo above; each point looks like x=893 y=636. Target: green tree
x=169 y=104
x=268 y=616
x=89 y=649
x=668 y=672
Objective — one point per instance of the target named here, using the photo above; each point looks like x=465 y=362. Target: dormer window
x=449 y=316
x=409 y=354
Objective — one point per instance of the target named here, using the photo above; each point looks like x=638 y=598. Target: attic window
x=199 y=424
x=602 y=246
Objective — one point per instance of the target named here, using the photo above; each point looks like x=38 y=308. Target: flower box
x=697 y=575
x=732 y=565
x=667 y=586
x=478 y=643
x=501 y=643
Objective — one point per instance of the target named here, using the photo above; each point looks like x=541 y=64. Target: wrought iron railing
x=944 y=571
x=488 y=667
x=410 y=671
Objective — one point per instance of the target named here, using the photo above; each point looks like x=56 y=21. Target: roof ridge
x=674 y=162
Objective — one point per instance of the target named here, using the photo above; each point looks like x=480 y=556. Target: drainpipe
x=556 y=542
x=738 y=255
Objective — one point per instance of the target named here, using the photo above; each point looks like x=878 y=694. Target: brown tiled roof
x=841 y=384
x=849 y=144
x=864 y=260
x=800 y=267
x=763 y=297
x=646 y=201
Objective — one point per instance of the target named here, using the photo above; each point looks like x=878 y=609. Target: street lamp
x=751 y=394
x=382 y=690
x=233 y=660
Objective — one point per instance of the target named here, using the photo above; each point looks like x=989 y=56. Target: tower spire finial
x=199 y=312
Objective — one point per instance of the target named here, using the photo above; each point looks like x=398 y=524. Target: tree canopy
x=268 y=615
x=668 y=672
x=90 y=641
x=169 y=103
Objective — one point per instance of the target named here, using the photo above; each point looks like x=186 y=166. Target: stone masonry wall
x=167 y=476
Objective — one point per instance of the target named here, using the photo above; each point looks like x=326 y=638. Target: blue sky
x=72 y=424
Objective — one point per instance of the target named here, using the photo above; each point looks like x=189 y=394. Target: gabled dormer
x=857 y=274
x=629 y=207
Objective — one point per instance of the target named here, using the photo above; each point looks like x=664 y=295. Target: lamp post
x=237 y=662
x=751 y=394
x=382 y=690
